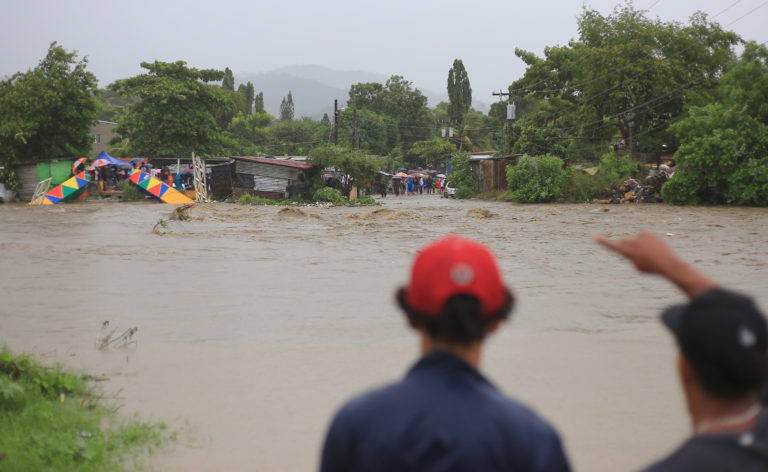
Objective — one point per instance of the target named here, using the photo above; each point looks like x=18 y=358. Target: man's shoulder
x=712 y=453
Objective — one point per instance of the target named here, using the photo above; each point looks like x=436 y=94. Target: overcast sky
x=418 y=39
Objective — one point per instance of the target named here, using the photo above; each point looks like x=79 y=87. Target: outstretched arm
x=651 y=254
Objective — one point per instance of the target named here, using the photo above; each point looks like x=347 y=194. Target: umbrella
x=396 y=177
x=440 y=176
x=77 y=162
x=401 y=175
x=100 y=163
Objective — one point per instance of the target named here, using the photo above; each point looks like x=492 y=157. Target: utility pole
x=335 y=122
x=511 y=115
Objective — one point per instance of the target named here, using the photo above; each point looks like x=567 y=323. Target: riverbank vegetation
x=628 y=85
x=54 y=420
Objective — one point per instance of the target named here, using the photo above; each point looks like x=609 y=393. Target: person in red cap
x=722 y=363
x=445 y=415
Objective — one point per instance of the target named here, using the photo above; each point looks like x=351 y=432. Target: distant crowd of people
x=444 y=415
x=413 y=185
x=108 y=176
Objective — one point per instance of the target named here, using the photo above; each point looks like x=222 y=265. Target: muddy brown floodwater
x=256 y=323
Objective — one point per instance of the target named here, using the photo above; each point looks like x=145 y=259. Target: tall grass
x=51 y=420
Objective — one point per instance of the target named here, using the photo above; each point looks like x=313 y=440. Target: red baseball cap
x=455 y=266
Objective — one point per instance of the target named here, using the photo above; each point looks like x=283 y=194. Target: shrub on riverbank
x=537 y=179
x=611 y=173
x=248 y=199
x=50 y=420
x=130 y=191
x=330 y=195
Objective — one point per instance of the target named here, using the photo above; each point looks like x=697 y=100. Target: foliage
x=9 y=178
x=248 y=199
x=626 y=75
x=366 y=129
x=247 y=91
x=176 y=113
x=398 y=100
x=286 y=108
x=258 y=103
x=246 y=132
x=612 y=172
x=355 y=166
x=536 y=179
x=429 y=152
x=723 y=157
x=476 y=129
x=459 y=92
x=364 y=200
x=228 y=82
x=112 y=104
x=130 y=191
x=463 y=178
x=49 y=419
x=329 y=194
x=47 y=112
x=294 y=137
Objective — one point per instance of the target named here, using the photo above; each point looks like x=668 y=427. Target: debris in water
x=290 y=211
x=479 y=213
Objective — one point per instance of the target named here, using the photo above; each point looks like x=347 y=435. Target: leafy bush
x=612 y=172
x=246 y=199
x=364 y=200
x=130 y=191
x=536 y=179
x=8 y=175
x=463 y=178
x=49 y=420
x=329 y=194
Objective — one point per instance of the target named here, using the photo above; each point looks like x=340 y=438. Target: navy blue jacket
x=444 y=416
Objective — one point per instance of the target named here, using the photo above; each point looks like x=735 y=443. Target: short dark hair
x=460 y=321
x=731 y=379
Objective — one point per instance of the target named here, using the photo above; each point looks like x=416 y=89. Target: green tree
x=537 y=179
x=356 y=165
x=247 y=132
x=246 y=90
x=47 y=112
x=286 y=108
x=228 y=82
x=627 y=76
x=399 y=100
x=294 y=137
x=176 y=114
x=459 y=92
x=429 y=152
x=373 y=132
x=463 y=177
x=723 y=156
x=258 y=103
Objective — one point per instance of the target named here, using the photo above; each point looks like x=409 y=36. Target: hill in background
x=314 y=88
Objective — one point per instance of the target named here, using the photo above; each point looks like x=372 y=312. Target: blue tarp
x=112 y=160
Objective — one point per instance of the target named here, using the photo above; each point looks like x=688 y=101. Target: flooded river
x=256 y=323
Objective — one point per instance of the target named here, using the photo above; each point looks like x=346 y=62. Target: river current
x=255 y=323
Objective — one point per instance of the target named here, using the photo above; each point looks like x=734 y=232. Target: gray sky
x=415 y=38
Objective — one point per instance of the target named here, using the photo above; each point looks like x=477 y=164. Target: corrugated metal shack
x=491 y=170
x=31 y=174
x=270 y=177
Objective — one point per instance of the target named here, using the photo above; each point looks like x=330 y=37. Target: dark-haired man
x=722 y=364
x=444 y=415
